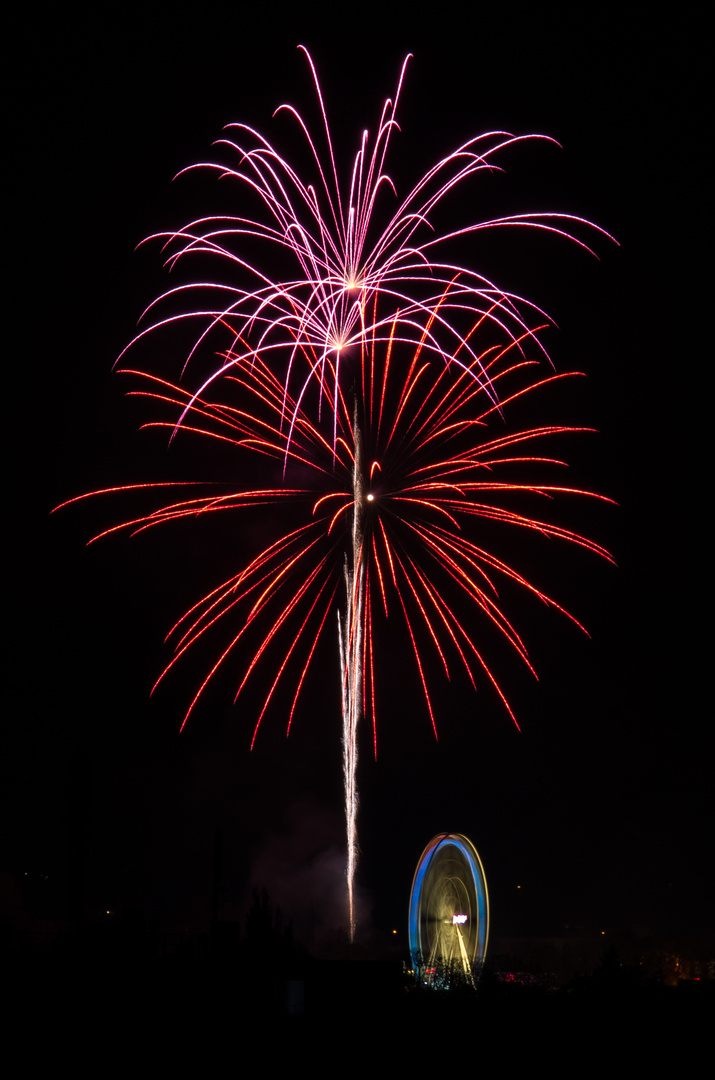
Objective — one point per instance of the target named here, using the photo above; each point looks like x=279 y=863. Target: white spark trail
x=350 y=644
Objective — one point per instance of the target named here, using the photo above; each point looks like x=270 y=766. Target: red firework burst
x=427 y=459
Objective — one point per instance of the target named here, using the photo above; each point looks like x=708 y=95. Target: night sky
x=600 y=810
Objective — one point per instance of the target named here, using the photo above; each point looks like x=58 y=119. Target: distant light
x=459 y=919
x=370 y=498
x=394 y=931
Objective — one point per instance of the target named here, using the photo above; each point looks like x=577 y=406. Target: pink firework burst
x=354 y=251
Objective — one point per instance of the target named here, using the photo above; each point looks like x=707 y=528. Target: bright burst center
x=339 y=342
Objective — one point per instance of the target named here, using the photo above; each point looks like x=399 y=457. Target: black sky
x=601 y=808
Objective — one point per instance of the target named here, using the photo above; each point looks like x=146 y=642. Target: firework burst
x=379 y=377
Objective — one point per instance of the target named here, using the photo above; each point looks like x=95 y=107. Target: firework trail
x=350 y=644
x=374 y=372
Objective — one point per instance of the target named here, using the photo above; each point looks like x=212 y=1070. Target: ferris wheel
x=449 y=909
